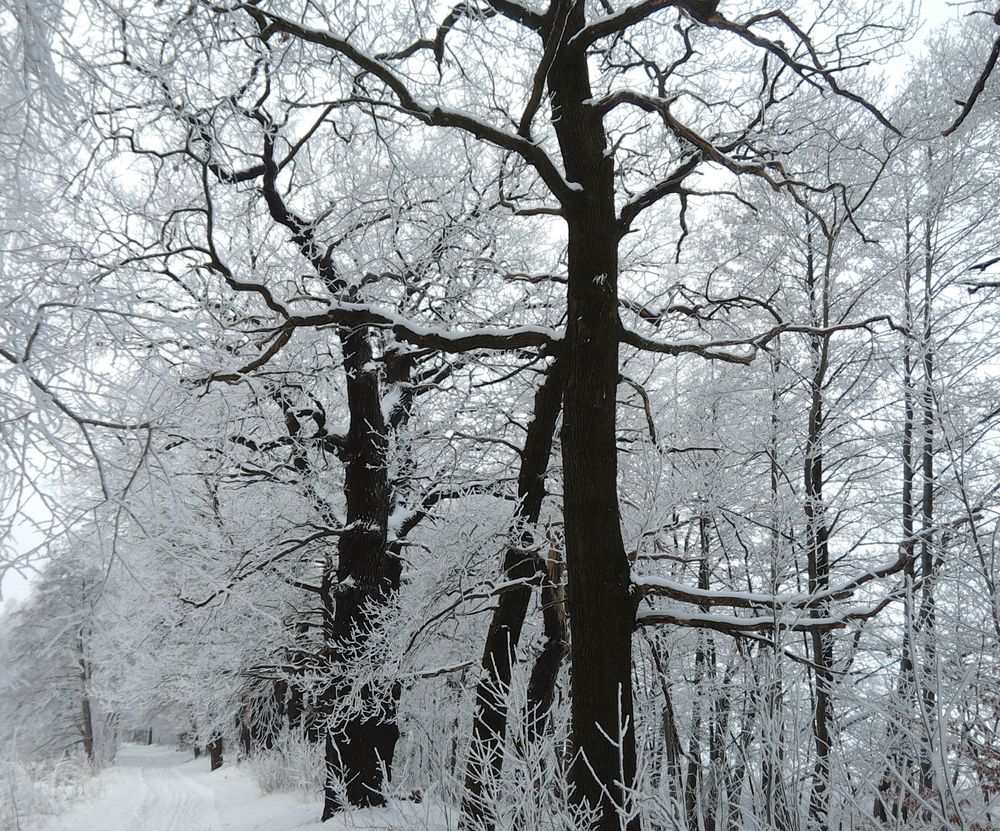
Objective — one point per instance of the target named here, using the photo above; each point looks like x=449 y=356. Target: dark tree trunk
x=672 y=749
x=214 y=748
x=777 y=814
x=926 y=619
x=890 y=801
x=489 y=726
x=259 y=721
x=601 y=606
x=86 y=716
x=817 y=535
x=246 y=739
x=294 y=708
x=704 y=661
x=359 y=752
x=545 y=672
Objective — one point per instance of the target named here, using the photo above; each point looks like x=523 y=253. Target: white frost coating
x=422 y=330
x=398 y=516
x=758 y=599
x=734 y=622
x=389 y=402
x=466 y=115
x=601 y=279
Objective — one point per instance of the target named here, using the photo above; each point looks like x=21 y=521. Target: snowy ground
x=157 y=789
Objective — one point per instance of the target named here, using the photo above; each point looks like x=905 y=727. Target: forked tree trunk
x=358 y=752
x=489 y=725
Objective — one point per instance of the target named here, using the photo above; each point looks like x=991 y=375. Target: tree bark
x=215 y=753
x=890 y=800
x=86 y=715
x=927 y=615
x=545 y=673
x=601 y=606
x=817 y=535
x=359 y=753
x=489 y=726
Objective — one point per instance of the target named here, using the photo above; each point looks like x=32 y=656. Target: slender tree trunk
x=86 y=716
x=776 y=809
x=890 y=800
x=704 y=667
x=776 y=804
x=817 y=537
x=489 y=725
x=545 y=672
x=927 y=614
x=246 y=739
x=671 y=738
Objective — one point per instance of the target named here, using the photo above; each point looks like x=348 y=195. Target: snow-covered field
x=157 y=789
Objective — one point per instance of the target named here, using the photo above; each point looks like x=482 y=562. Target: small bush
x=294 y=764
x=31 y=790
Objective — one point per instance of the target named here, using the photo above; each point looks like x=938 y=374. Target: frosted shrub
x=294 y=764
x=38 y=789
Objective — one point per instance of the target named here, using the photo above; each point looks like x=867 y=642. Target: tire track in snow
x=147 y=791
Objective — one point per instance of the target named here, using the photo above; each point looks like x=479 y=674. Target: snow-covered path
x=157 y=789
x=149 y=789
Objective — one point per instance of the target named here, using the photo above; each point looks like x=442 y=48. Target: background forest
x=571 y=414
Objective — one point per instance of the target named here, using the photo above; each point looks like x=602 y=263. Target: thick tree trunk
x=489 y=726
x=359 y=752
x=215 y=753
x=601 y=606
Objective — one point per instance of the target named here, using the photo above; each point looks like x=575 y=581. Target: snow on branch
x=662 y=587
x=732 y=625
x=744 y=350
x=433 y=115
